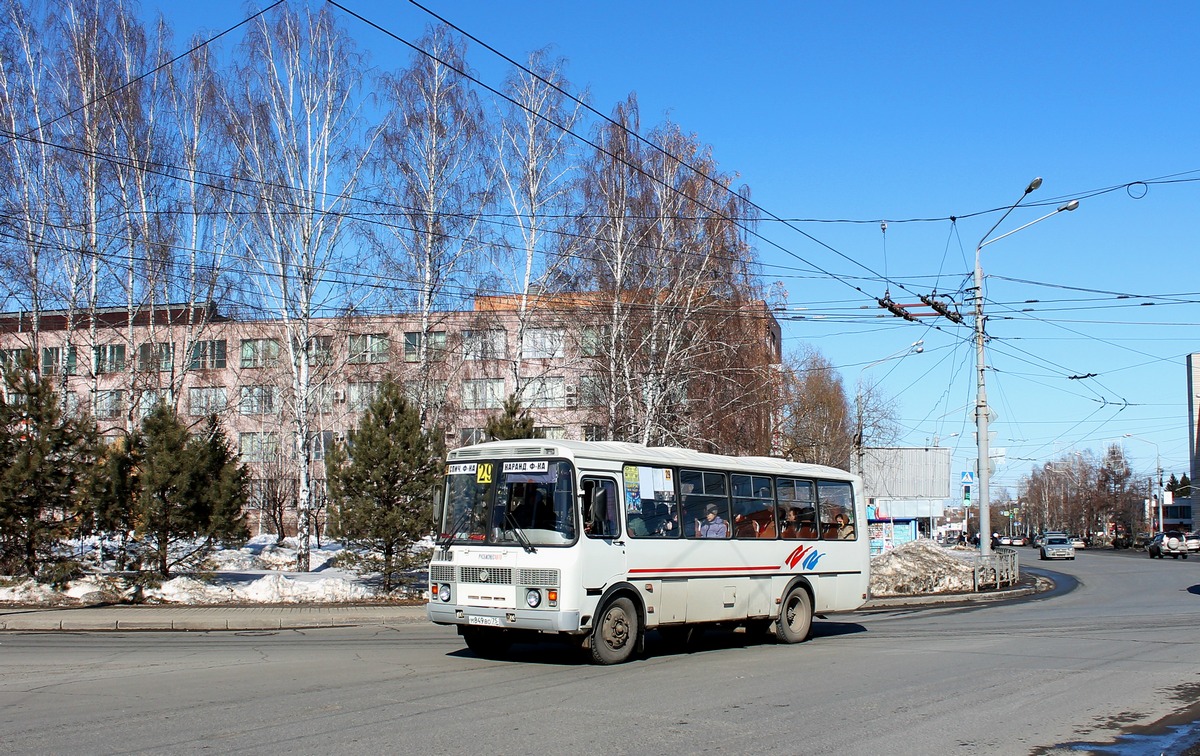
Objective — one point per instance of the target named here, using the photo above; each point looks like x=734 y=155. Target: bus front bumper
x=503 y=619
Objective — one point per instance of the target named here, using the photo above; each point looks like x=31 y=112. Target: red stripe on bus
x=704 y=569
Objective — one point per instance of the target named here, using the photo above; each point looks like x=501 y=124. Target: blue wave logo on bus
x=806 y=556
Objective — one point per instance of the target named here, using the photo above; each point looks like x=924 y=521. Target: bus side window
x=599 y=507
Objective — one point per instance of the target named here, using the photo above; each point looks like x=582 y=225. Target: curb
x=203 y=619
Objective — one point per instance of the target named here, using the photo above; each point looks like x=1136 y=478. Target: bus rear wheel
x=795 y=616
x=615 y=635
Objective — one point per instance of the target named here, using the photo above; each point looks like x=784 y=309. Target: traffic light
x=967 y=494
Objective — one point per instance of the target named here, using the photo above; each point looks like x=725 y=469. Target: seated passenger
x=637 y=525
x=712 y=526
x=845 y=530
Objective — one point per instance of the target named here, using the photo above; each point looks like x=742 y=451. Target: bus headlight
x=533 y=597
x=444 y=592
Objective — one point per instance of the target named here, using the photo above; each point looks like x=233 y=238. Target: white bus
x=598 y=542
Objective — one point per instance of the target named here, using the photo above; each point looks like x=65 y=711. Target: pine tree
x=112 y=491
x=45 y=457
x=189 y=490
x=381 y=482
x=219 y=486
x=512 y=422
x=1184 y=489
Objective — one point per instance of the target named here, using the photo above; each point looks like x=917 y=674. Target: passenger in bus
x=669 y=526
x=790 y=526
x=637 y=523
x=712 y=526
x=845 y=530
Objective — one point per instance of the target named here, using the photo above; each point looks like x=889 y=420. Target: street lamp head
x=1069 y=206
x=1033 y=185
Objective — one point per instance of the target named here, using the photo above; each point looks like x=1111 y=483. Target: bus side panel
x=672 y=606
x=826 y=589
x=761 y=597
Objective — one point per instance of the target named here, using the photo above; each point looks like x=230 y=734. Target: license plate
x=490 y=621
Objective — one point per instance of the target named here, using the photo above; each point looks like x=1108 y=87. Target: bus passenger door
x=603 y=544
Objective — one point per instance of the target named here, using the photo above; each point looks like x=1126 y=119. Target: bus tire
x=615 y=635
x=487 y=644
x=795 y=616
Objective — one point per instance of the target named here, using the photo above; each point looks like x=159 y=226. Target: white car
x=1193 y=541
x=1057 y=547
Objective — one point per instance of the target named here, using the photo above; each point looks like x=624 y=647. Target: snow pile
x=921 y=567
x=261 y=572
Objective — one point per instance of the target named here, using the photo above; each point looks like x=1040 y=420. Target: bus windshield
x=525 y=502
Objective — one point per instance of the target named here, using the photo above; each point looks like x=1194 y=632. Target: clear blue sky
x=896 y=111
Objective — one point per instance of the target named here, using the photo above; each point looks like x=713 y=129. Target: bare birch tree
x=534 y=153
x=431 y=171
x=296 y=129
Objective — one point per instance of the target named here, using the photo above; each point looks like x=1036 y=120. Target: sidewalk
x=296 y=616
x=204 y=618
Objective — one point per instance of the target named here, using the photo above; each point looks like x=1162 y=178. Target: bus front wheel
x=615 y=635
x=795 y=616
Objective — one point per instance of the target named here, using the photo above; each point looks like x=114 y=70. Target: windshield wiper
x=519 y=534
x=449 y=537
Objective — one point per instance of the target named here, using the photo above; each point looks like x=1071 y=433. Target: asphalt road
x=1115 y=653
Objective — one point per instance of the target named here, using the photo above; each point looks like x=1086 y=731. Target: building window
x=53 y=363
x=433 y=392
x=13 y=357
x=470 y=436
x=483 y=393
x=490 y=344
x=207 y=400
x=208 y=355
x=156 y=358
x=591 y=342
x=110 y=358
x=72 y=404
x=258 y=400
x=258 y=353
x=595 y=433
x=435 y=343
x=258 y=447
x=544 y=392
x=151 y=398
x=362 y=394
x=110 y=404
x=542 y=343
x=549 y=431
x=320 y=350
x=591 y=391
x=321 y=444
x=323 y=397
x=368 y=348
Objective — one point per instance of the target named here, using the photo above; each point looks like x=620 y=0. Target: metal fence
x=997 y=569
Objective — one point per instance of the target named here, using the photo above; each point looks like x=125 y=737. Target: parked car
x=1193 y=541
x=1005 y=541
x=1018 y=540
x=1078 y=542
x=1057 y=547
x=1171 y=542
x=1142 y=540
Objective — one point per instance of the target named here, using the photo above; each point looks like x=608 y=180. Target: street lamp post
x=1158 y=494
x=981 y=407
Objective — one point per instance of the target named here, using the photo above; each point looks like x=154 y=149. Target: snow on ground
x=263 y=572
x=922 y=567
